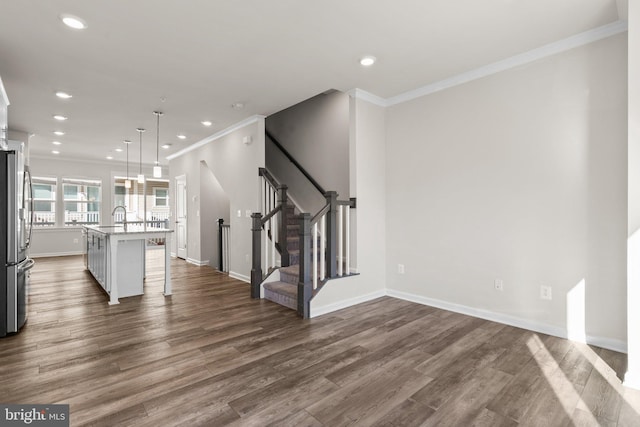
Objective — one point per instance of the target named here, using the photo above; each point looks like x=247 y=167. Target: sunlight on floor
x=562 y=387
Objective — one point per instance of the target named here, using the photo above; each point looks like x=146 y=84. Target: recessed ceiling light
x=109 y=158
x=58 y=132
x=206 y=123
x=166 y=146
x=119 y=150
x=63 y=95
x=237 y=105
x=181 y=136
x=56 y=143
x=60 y=118
x=74 y=22
x=55 y=151
x=367 y=61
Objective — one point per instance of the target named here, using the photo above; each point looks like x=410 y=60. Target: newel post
x=304 y=281
x=332 y=233
x=220 y=259
x=282 y=226
x=256 y=267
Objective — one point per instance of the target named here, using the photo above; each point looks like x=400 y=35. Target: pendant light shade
x=127 y=182
x=140 y=174
x=157 y=170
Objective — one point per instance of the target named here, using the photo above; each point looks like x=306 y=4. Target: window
x=81 y=201
x=160 y=197
x=44 y=201
x=146 y=203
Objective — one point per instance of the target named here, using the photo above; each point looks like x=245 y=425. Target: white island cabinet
x=116 y=259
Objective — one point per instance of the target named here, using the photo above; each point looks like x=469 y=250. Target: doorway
x=181 y=216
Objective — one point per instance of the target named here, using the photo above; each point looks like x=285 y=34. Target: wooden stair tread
x=282 y=288
x=292 y=269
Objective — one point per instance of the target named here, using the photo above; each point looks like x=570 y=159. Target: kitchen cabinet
x=116 y=259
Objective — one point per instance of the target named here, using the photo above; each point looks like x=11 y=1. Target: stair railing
x=224 y=233
x=325 y=247
x=269 y=231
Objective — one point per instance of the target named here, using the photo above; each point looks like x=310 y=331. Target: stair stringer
x=273 y=277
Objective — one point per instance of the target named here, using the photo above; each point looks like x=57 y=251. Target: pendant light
x=140 y=175
x=127 y=182
x=157 y=170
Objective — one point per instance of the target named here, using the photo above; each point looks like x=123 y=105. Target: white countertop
x=131 y=229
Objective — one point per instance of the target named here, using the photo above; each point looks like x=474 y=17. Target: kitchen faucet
x=124 y=218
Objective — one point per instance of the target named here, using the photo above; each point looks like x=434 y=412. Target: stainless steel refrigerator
x=15 y=236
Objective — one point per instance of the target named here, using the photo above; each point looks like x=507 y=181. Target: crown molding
x=368 y=96
x=550 y=49
x=249 y=120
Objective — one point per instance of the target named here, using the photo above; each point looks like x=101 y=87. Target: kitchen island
x=116 y=258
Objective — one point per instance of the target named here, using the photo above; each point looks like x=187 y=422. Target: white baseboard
x=197 y=262
x=518 y=322
x=608 y=343
x=319 y=311
x=240 y=276
x=54 y=254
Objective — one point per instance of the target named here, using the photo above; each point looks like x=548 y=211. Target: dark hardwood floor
x=209 y=355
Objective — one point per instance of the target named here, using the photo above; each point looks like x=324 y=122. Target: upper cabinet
x=4 y=124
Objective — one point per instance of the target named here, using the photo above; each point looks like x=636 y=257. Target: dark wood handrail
x=321 y=212
x=268 y=216
x=263 y=172
x=295 y=162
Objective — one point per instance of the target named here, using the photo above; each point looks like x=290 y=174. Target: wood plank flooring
x=209 y=355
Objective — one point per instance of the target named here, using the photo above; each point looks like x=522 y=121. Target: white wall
x=368 y=185
x=632 y=377
x=59 y=241
x=519 y=176
x=235 y=167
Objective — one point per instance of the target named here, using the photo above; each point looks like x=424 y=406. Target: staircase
x=285 y=291
x=310 y=249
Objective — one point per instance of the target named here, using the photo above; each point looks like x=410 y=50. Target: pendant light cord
x=140 y=130
x=158 y=114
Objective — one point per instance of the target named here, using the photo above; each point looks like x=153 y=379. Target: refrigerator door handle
x=26 y=265
x=28 y=186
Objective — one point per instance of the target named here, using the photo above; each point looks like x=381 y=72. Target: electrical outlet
x=75 y=240
x=545 y=292
x=400 y=268
x=498 y=285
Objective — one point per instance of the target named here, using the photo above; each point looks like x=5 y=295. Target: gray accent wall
x=316 y=134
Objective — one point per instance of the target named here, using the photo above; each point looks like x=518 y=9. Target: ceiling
x=193 y=59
